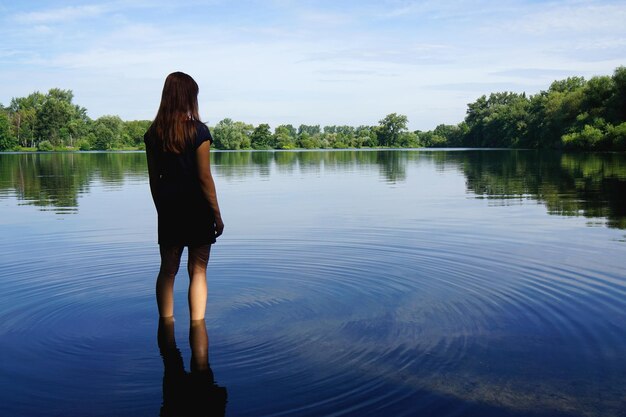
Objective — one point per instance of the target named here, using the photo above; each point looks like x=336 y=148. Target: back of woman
x=183 y=191
x=185 y=216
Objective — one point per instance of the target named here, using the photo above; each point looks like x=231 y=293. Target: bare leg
x=170 y=261
x=196 y=266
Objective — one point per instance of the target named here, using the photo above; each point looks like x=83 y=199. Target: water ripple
x=428 y=311
x=447 y=317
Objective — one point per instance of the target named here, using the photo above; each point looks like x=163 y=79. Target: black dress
x=185 y=217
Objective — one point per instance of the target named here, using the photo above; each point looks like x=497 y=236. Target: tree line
x=571 y=114
x=574 y=113
x=52 y=121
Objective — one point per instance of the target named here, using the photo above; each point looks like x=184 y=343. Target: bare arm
x=203 y=155
x=153 y=173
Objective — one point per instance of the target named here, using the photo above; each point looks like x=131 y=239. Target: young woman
x=178 y=151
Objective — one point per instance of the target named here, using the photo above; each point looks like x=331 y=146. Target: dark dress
x=185 y=217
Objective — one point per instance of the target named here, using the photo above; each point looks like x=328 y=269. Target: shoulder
x=203 y=134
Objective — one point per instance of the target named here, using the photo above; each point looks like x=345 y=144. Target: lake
x=347 y=283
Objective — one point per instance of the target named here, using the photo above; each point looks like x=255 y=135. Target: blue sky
x=313 y=62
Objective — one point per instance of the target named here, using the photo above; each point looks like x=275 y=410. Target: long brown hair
x=179 y=107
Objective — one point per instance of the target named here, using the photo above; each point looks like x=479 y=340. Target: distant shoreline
x=31 y=151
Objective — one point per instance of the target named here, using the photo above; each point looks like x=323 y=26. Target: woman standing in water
x=178 y=151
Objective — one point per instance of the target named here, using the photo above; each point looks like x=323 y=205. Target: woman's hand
x=219 y=226
x=208 y=185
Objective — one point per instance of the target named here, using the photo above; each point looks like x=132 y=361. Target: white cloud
x=400 y=54
x=324 y=18
x=302 y=64
x=63 y=14
x=572 y=19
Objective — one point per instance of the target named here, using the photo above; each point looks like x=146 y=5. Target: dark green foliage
x=573 y=113
x=57 y=179
x=45 y=146
x=444 y=136
x=107 y=132
x=617 y=136
x=102 y=137
x=570 y=184
x=7 y=140
x=133 y=131
x=261 y=137
x=496 y=122
x=289 y=130
x=307 y=142
x=54 y=119
x=309 y=130
x=83 y=145
x=53 y=114
x=391 y=128
x=618 y=100
x=284 y=137
x=232 y=135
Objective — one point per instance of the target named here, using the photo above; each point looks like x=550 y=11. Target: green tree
x=54 y=113
x=7 y=140
x=232 y=135
x=60 y=95
x=107 y=132
x=597 y=93
x=444 y=136
x=261 y=137
x=24 y=126
x=51 y=117
x=311 y=130
x=134 y=130
x=390 y=128
x=289 y=130
x=408 y=140
x=617 y=136
x=101 y=137
x=366 y=136
x=45 y=146
x=572 y=113
x=24 y=110
x=307 y=141
x=83 y=145
x=588 y=138
x=329 y=130
x=244 y=131
x=77 y=128
x=618 y=99
x=224 y=134
x=498 y=121
x=554 y=112
x=283 y=138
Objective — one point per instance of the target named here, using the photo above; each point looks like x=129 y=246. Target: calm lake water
x=347 y=283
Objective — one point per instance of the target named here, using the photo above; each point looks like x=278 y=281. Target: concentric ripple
x=419 y=320
x=327 y=297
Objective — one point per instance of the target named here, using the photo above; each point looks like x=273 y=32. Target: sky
x=305 y=62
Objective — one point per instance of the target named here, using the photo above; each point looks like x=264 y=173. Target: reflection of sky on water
x=591 y=185
x=337 y=288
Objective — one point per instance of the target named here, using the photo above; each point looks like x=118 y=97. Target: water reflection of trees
x=238 y=165
x=57 y=179
x=589 y=184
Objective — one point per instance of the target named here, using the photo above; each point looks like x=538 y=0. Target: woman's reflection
x=194 y=393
